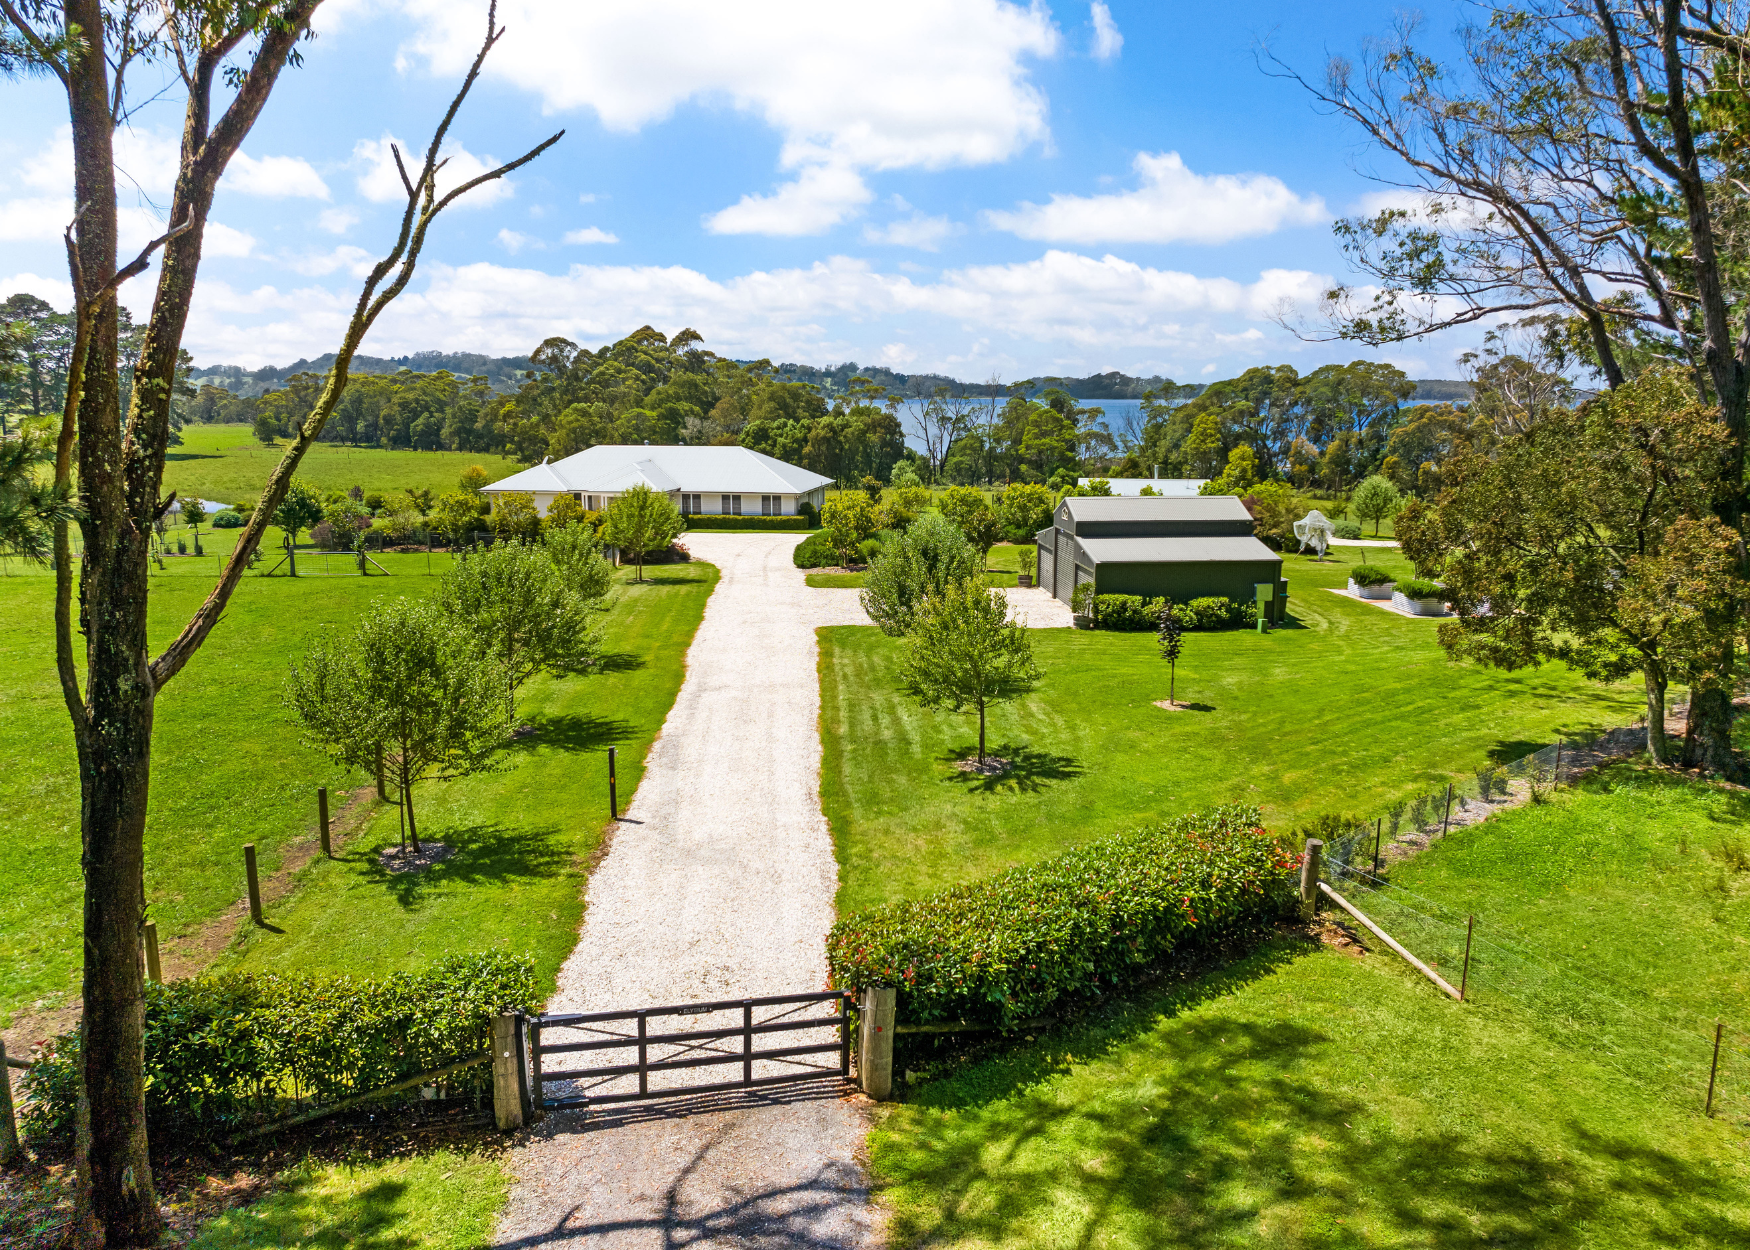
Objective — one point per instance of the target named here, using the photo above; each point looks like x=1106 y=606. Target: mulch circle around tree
x=406 y=859
x=1172 y=707
x=991 y=767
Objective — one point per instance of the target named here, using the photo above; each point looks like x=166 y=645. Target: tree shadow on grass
x=297 y=1212
x=484 y=855
x=620 y=662
x=1509 y=749
x=1029 y=772
x=1225 y=1128
x=575 y=731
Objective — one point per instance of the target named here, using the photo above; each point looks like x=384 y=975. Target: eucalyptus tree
x=225 y=57
x=1582 y=162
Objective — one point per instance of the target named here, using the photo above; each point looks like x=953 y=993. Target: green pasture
x=1346 y=709
x=226 y=463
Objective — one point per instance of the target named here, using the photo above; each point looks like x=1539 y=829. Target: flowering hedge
x=227 y=1050
x=1012 y=945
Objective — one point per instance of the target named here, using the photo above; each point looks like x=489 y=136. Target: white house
x=702 y=481
x=1170 y=487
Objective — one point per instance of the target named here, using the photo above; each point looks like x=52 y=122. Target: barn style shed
x=1180 y=549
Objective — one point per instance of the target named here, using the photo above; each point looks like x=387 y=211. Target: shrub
x=1127 y=611
x=323 y=536
x=227 y=519
x=815 y=552
x=1081 y=599
x=225 y=1050
x=1345 y=529
x=1419 y=588
x=1370 y=575
x=748 y=522
x=1214 y=612
x=868 y=549
x=1016 y=944
x=925 y=559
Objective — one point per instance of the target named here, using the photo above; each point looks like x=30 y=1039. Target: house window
x=691 y=505
x=575 y=495
x=732 y=505
x=595 y=503
x=771 y=505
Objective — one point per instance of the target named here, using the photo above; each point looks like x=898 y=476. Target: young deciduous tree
x=1172 y=639
x=1375 y=500
x=577 y=555
x=457 y=515
x=474 y=477
x=924 y=559
x=411 y=680
x=562 y=512
x=641 y=521
x=514 y=516
x=236 y=51
x=1590 y=538
x=964 y=653
x=848 y=519
x=512 y=600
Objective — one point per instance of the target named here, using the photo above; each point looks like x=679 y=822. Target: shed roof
x=1168 y=550
x=611 y=468
x=1150 y=508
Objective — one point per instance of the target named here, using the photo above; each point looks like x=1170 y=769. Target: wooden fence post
x=507 y=1098
x=322 y=814
x=8 y=1124
x=1446 y=820
x=1377 y=825
x=875 y=1042
x=1470 y=927
x=613 y=794
x=153 y=971
x=1719 y=1028
x=254 y=882
x=1556 y=772
x=1309 y=878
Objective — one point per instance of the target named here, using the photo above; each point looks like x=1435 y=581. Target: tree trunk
x=1657 y=745
x=1709 y=747
x=981 y=733
x=1173 y=684
x=407 y=799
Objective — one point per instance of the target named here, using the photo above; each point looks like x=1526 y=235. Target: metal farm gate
x=656 y=1064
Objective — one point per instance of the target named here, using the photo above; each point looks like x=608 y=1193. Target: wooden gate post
x=8 y=1125
x=1309 y=878
x=507 y=1098
x=254 y=882
x=322 y=815
x=875 y=1042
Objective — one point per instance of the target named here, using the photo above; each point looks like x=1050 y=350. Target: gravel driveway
x=719 y=885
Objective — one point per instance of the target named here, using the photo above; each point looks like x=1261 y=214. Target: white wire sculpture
x=1314 y=530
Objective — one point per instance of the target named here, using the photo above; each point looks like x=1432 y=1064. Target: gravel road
x=719 y=885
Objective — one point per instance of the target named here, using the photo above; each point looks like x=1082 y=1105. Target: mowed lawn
x=1003 y=565
x=226 y=464
x=522 y=837
x=1302 y=1097
x=228 y=768
x=1347 y=710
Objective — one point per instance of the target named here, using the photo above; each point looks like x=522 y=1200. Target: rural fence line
x=1666 y=1052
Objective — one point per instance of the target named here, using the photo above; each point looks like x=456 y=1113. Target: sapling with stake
x=1172 y=641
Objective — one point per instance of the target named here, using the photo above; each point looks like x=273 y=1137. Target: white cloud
x=221 y=240
x=588 y=197
x=1066 y=303
x=917 y=231
x=56 y=291
x=1173 y=205
x=820 y=198
x=591 y=234
x=34 y=219
x=381 y=181
x=897 y=355
x=337 y=220
x=514 y=241
x=354 y=260
x=851 y=87
x=1108 y=39
x=280 y=177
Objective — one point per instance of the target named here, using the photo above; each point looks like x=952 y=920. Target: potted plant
x=1081 y=606
x=1026 y=565
x=1369 y=581
x=1418 y=597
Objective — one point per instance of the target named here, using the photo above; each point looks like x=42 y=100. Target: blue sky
x=969 y=186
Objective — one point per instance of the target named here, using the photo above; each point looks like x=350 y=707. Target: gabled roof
x=1148 y=508
x=1189 y=550
x=610 y=469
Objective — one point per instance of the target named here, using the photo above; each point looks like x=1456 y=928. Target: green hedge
x=1011 y=946
x=1371 y=575
x=228 y=1050
x=1419 y=588
x=1129 y=612
x=815 y=552
x=747 y=522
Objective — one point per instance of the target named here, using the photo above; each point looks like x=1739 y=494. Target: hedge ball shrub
x=227 y=519
x=1419 y=588
x=1016 y=944
x=815 y=552
x=1370 y=575
x=223 y=1051
x=1345 y=529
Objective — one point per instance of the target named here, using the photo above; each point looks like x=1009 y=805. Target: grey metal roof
x=1149 y=508
x=609 y=469
x=1189 y=550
